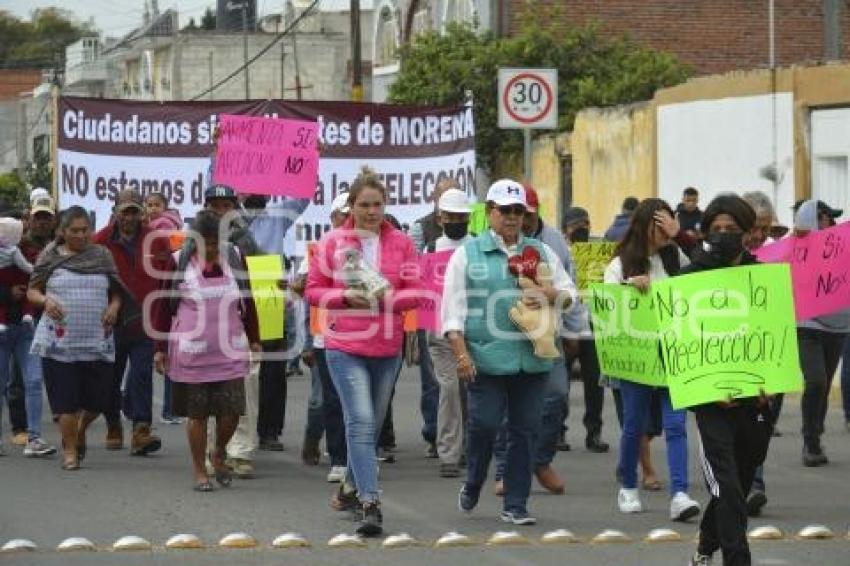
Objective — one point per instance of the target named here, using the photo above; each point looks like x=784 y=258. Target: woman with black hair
x=734 y=435
x=647 y=254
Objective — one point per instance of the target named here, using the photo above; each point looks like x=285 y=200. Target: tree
x=208 y=20
x=438 y=68
x=191 y=26
x=40 y=42
x=13 y=191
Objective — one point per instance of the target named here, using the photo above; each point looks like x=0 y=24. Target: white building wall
x=725 y=145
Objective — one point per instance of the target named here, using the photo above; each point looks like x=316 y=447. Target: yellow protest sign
x=264 y=272
x=591 y=259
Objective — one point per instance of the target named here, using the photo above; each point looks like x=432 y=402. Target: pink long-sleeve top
x=376 y=332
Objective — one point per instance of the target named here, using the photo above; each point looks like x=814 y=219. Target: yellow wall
x=614 y=149
x=613 y=152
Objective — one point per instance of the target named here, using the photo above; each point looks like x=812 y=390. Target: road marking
x=131 y=542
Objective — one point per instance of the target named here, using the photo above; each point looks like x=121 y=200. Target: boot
x=549 y=479
x=144 y=442
x=114 y=436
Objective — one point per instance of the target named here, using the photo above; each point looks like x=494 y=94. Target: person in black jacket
x=734 y=435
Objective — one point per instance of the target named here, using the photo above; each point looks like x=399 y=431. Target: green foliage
x=40 y=42
x=13 y=191
x=592 y=71
x=208 y=20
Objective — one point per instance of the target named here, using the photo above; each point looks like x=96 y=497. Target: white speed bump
x=561 y=536
x=766 y=532
x=453 y=539
x=347 y=541
x=75 y=544
x=507 y=538
x=815 y=532
x=611 y=535
x=400 y=540
x=184 y=542
x=290 y=540
x=131 y=542
x=19 y=544
x=663 y=535
x=238 y=540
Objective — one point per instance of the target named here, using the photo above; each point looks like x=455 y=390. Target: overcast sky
x=117 y=17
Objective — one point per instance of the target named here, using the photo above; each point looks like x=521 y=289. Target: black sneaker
x=467 y=499
x=345 y=499
x=755 y=501
x=371 y=521
x=270 y=444
x=431 y=451
x=813 y=455
x=594 y=444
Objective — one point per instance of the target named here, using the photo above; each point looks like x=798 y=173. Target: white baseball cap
x=454 y=200
x=340 y=204
x=506 y=192
x=37 y=193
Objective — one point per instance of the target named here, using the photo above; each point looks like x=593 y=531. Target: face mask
x=580 y=235
x=254 y=202
x=455 y=230
x=725 y=246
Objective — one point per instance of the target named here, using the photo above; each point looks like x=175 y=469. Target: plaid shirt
x=80 y=336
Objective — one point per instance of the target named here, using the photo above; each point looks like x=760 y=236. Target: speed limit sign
x=528 y=98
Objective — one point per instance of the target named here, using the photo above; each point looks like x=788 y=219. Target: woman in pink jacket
x=365 y=274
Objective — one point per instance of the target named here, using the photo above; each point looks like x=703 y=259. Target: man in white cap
x=453 y=217
x=324 y=412
x=494 y=358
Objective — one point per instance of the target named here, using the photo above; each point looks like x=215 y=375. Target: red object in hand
x=60 y=331
x=525 y=264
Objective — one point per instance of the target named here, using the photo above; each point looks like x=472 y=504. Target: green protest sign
x=625 y=329
x=591 y=259
x=728 y=333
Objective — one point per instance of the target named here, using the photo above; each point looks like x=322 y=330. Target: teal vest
x=497 y=346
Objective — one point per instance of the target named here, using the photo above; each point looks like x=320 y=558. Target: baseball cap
x=340 y=204
x=454 y=200
x=532 y=202
x=43 y=204
x=128 y=198
x=822 y=208
x=219 y=191
x=38 y=192
x=506 y=192
x=574 y=214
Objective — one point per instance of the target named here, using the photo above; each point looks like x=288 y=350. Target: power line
x=262 y=52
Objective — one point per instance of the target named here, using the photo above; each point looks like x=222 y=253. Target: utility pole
x=356 y=56
x=297 y=65
x=210 y=63
x=245 y=48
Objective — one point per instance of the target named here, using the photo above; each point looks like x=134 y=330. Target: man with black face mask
x=453 y=210
x=576 y=225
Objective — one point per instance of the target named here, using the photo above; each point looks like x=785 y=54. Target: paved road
x=116 y=495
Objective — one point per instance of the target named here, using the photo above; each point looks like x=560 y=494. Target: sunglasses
x=515 y=209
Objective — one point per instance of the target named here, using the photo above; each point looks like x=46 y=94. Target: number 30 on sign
x=528 y=98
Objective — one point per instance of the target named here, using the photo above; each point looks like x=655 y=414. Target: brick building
x=713 y=36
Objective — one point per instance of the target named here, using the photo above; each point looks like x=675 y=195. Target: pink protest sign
x=433 y=272
x=268 y=156
x=820 y=269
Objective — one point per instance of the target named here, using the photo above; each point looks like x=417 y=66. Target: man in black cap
x=575 y=226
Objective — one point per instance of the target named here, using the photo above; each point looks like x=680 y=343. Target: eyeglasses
x=515 y=209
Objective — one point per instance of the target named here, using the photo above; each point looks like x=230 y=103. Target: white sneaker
x=629 y=501
x=682 y=507
x=337 y=474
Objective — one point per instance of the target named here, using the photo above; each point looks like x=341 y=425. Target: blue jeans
x=365 y=386
x=15 y=342
x=489 y=398
x=430 y=398
x=557 y=387
x=331 y=413
x=845 y=379
x=636 y=405
x=137 y=399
